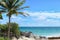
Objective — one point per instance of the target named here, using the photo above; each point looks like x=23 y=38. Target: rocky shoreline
x=31 y=36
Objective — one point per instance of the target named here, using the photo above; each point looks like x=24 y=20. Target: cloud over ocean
x=35 y=19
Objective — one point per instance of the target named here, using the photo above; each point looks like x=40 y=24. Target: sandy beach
x=26 y=38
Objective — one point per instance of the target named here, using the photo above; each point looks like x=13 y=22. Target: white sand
x=23 y=38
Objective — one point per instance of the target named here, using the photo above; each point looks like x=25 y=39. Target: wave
x=54 y=35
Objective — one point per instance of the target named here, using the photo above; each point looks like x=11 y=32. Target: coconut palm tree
x=12 y=7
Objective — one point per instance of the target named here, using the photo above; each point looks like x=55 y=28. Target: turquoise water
x=42 y=31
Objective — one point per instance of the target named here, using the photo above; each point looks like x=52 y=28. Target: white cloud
x=13 y=16
x=46 y=15
x=36 y=19
x=44 y=19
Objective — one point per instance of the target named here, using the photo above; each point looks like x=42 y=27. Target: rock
x=30 y=36
x=43 y=38
x=14 y=38
x=26 y=34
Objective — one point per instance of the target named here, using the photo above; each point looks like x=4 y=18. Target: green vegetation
x=13 y=32
x=1 y=16
x=2 y=38
x=11 y=7
x=15 y=29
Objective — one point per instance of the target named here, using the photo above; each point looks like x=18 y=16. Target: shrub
x=14 y=29
x=1 y=38
x=7 y=38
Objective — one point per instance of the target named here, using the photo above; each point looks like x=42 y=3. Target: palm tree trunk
x=9 y=28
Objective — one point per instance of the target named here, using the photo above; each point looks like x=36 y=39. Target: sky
x=42 y=13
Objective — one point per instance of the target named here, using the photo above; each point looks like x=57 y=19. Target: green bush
x=1 y=38
x=14 y=29
x=7 y=38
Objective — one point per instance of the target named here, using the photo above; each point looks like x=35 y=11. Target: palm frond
x=1 y=16
x=10 y=2
x=3 y=4
x=22 y=8
x=11 y=12
x=15 y=2
x=3 y=0
x=24 y=14
x=2 y=8
x=14 y=12
x=7 y=2
x=2 y=11
x=19 y=4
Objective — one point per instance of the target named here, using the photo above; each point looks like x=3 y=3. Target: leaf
x=24 y=14
x=1 y=11
x=4 y=0
x=23 y=7
x=10 y=2
x=15 y=2
x=3 y=4
x=19 y=4
x=1 y=16
x=2 y=8
x=11 y=12
x=14 y=12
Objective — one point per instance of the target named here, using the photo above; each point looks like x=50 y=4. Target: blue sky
x=44 y=5
x=42 y=13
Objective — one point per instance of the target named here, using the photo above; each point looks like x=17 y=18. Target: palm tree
x=12 y=7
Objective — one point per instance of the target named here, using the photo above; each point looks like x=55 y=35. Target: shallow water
x=42 y=31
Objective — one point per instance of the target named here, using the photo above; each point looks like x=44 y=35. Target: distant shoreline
x=39 y=26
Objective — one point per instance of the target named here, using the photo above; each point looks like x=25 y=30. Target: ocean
x=42 y=31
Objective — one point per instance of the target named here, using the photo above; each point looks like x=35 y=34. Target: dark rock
x=26 y=34
x=42 y=37
x=53 y=37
